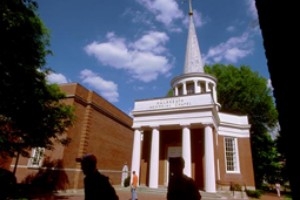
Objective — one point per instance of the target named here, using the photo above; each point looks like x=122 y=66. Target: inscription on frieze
x=169 y=103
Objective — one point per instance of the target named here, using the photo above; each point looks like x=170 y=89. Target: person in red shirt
x=134 y=186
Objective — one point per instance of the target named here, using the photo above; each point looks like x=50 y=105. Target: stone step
x=205 y=195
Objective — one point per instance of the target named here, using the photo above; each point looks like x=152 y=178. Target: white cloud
x=152 y=42
x=252 y=8
x=230 y=51
x=198 y=19
x=165 y=11
x=269 y=84
x=107 y=89
x=56 y=78
x=144 y=59
x=231 y=28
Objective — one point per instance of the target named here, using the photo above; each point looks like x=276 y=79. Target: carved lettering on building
x=170 y=103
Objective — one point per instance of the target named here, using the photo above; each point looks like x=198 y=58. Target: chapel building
x=215 y=146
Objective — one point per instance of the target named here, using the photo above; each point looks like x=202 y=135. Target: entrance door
x=173 y=151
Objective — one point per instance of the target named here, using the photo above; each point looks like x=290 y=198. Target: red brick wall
x=246 y=175
x=100 y=128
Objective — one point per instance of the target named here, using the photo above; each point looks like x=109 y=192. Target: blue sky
x=129 y=50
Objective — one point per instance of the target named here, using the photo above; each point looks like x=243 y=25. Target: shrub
x=254 y=193
x=235 y=187
x=127 y=181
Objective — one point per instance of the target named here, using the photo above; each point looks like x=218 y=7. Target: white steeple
x=193 y=60
x=194 y=80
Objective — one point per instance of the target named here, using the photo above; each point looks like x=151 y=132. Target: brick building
x=100 y=128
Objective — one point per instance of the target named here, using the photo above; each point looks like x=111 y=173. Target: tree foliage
x=31 y=111
x=244 y=92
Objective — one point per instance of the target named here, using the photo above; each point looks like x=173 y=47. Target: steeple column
x=196 y=87
x=184 y=92
x=154 y=159
x=176 y=90
x=186 y=150
x=214 y=92
x=207 y=88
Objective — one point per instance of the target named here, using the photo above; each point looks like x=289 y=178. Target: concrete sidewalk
x=145 y=193
x=123 y=193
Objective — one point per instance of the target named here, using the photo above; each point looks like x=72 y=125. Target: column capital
x=207 y=124
x=137 y=127
x=187 y=125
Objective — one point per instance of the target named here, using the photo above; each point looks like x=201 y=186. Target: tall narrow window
x=36 y=157
x=231 y=154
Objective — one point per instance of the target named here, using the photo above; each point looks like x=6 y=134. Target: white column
x=207 y=89
x=136 y=153
x=184 y=92
x=197 y=87
x=154 y=159
x=214 y=92
x=200 y=87
x=176 y=91
x=210 y=175
x=186 y=150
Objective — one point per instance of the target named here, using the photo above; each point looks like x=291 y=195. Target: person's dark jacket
x=8 y=183
x=97 y=186
x=182 y=187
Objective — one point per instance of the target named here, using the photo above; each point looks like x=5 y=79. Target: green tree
x=244 y=92
x=32 y=113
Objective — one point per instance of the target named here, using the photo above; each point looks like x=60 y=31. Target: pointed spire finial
x=190 y=8
x=193 y=60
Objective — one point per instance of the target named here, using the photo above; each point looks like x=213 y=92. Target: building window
x=231 y=154
x=37 y=156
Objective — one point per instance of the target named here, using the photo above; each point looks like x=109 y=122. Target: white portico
x=180 y=113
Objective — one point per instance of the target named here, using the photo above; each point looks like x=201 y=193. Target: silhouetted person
x=96 y=185
x=181 y=187
x=8 y=183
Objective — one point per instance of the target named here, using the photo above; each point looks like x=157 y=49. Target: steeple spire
x=194 y=81
x=193 y=60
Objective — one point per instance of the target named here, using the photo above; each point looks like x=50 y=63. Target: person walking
x=277 y=188
x=180 y=186
x=134 y=186
x=96 y=185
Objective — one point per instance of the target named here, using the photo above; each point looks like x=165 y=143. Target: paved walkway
x=124 y=194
